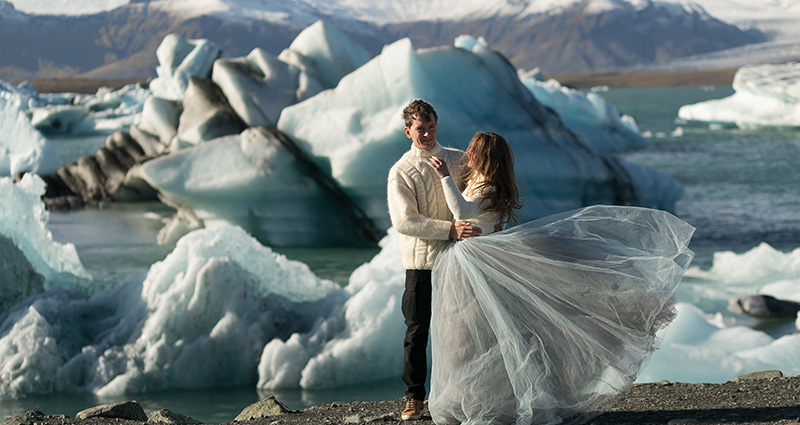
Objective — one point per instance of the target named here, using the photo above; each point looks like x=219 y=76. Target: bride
x=549 y=321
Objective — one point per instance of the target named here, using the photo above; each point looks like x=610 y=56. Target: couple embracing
x=545 y=322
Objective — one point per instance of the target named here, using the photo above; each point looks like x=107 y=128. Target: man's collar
x=435 y=150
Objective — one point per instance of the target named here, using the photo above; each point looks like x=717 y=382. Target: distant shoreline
x=641 y=79
x=612 y=79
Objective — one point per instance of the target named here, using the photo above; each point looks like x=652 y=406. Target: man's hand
x=461 y=230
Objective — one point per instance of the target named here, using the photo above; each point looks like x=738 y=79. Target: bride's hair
x=493 y=172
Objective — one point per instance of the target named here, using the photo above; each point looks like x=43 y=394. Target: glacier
x=765 y=95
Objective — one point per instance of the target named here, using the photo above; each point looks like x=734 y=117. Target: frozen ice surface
x=200 y=318
x=765 y=95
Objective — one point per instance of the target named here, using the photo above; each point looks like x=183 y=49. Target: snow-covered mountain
x=117 y=38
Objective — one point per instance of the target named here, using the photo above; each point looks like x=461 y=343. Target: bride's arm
x=462 y=208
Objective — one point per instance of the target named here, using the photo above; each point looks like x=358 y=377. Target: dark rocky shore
x=764 y=398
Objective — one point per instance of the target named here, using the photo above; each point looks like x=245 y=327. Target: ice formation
x=259 y=85
x=222 y=309
x=22 y=147
x=588 y=115
x=179 y=60
x=353 y=133
x=23 y=221
x=200 y=318
x=765 y=95
x=361 y=343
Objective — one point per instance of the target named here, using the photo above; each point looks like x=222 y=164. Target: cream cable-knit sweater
x=417 y=206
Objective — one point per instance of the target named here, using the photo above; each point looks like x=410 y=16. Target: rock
x=767 y=374
x=352 y=419
x=682 y=421
x=764 y=306
x=165 y=416
x=131 y=410
x=270 y=406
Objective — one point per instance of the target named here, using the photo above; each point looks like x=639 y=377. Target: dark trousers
x=417 y=313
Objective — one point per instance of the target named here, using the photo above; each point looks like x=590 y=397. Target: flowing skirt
x=549 y=321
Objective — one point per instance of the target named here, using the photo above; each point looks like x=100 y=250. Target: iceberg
x=697 y=349
x=588 y=115
x=105 y=111
x=259 y=85
x=22 y=147
x=43 y=263
x=353 y=133
x=199 y=318
x=765 y=95
x=358 y=343
x=178 y=61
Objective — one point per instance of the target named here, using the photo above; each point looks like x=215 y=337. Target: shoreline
x=611 y=79
x=761 y=398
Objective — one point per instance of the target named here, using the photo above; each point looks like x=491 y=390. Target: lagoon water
x=741 y=190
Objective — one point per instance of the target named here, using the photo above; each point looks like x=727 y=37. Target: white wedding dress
x=549 y=321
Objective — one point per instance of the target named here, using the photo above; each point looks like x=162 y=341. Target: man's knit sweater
x=417 y=206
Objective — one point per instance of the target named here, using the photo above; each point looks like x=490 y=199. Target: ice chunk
x=250 y=180
x=178 y=60
x=357 y=128
x=696 y=350
x=353 y=133
x=357 y=344
x=588 y=115
x=23 y=221
x=765 y=95
x=200 y=318
x=325 y=53
x=22 y=147
x=62 y=119
x=260 y=85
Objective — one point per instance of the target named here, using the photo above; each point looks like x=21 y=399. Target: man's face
x=422 y=133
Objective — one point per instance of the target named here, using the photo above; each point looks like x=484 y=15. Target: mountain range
x=557 y=36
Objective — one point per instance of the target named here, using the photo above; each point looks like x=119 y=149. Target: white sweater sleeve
x=461 y=207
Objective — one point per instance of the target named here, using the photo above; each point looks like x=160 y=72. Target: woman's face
x=470 y=156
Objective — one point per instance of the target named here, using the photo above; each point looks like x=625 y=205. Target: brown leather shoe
x=413 y=410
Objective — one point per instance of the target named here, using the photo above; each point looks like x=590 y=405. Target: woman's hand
x=439 y=166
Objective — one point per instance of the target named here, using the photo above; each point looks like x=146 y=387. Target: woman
x=549 y=321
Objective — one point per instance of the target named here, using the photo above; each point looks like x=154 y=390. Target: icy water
x=740 y=191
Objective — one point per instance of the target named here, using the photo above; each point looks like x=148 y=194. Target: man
x=419 y=213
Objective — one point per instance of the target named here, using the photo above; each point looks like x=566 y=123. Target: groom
x=419 y=213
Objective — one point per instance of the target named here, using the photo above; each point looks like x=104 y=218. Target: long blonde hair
x=492 y=172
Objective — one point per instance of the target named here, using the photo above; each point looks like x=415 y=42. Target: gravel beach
x=743 y=401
